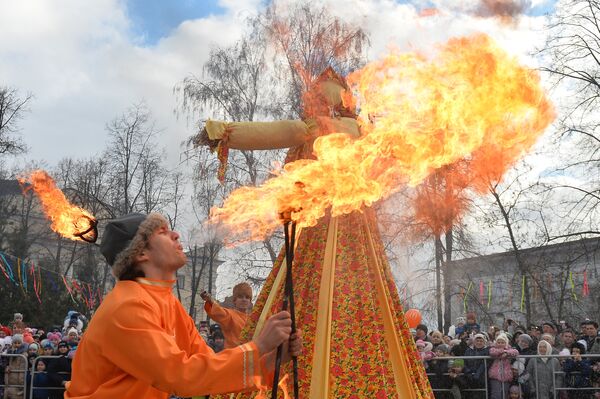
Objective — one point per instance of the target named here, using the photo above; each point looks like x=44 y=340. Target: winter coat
x=475 y=368
x=540 y=377
x=472 y=327
x=500 y=369
x=41 y=380
x=460 y=349
x=577 y=374
x=527 y=352
x=438 y=378
x=59 y=370
x=16 y=376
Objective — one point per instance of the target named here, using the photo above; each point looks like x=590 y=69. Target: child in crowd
x=437 y=372
x=231 y=320
x=472 y=326
x=16 y=369
x=424 y=349
x=520 y=377
x=40 y=380
x=500 y=374
x=577 y=372
x=514 y=392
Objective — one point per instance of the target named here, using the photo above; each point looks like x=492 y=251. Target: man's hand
x=277 y=330
x=291 y=348
x=206 y=297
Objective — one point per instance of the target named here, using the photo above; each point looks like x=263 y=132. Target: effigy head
x=329 y=95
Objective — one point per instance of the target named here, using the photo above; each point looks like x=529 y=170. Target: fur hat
x=442 y=348
x=17 y=338
x=54 y=336
x=518 y=365
x=72 y=330
x=428 y=346
x=34 y=346
x=460 y=320
x=125 y=237
x=549 y=324
x=63 y=344
x=420 y=343
x=581 y=344
x=527 y=338
x=18 y=316
x=242 y=289
x=480 y=336
x=502 y=337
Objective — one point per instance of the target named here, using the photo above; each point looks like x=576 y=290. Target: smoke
x=506 y=10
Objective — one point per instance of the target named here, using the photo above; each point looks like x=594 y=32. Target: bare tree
x=572 y=55
x=264 y=75
x=235 y=86
x=139 y=176
x=308 y=39
x=12 y=108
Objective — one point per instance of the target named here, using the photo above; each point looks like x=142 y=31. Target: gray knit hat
x=125 y=237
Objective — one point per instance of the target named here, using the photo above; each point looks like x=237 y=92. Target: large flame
x=470 y=102
x=67 y=219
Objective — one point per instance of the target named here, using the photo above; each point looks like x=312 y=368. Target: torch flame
x=471 y=102
x=68 y=220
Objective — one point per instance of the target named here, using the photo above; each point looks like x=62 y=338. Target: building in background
x=200 y=274
x=562 y=279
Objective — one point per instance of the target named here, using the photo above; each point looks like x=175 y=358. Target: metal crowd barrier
x=34 y=372
x=14 y=387
x=28 y=375
x=557 y=376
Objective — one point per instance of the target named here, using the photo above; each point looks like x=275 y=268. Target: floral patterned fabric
x=360 y=365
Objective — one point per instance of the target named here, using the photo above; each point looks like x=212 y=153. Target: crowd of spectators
x=49 y=353
x=493 y=362
x=500 y=367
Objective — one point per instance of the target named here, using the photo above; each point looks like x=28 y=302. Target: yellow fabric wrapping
x=274 y=290
x=319 y=383
x=404 y=385
x=338 y=125
x=272 y=295
x=259 y=135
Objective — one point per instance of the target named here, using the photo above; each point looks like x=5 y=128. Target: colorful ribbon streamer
x=574 y=294
x=467 y=295
x=481 y=292
x=523 y=294
x=9 y=268
x=586 y=287
x=68 y=288
x=489 y=294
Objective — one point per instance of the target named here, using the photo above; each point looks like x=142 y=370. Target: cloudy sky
x=86 y=61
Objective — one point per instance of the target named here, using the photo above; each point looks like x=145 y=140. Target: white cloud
x=84 y=66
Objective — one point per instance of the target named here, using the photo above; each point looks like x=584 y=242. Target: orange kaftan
x=142 y=344
x=231 y=321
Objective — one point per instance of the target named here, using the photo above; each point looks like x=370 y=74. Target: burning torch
x=68 y=220
x=289 y=228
